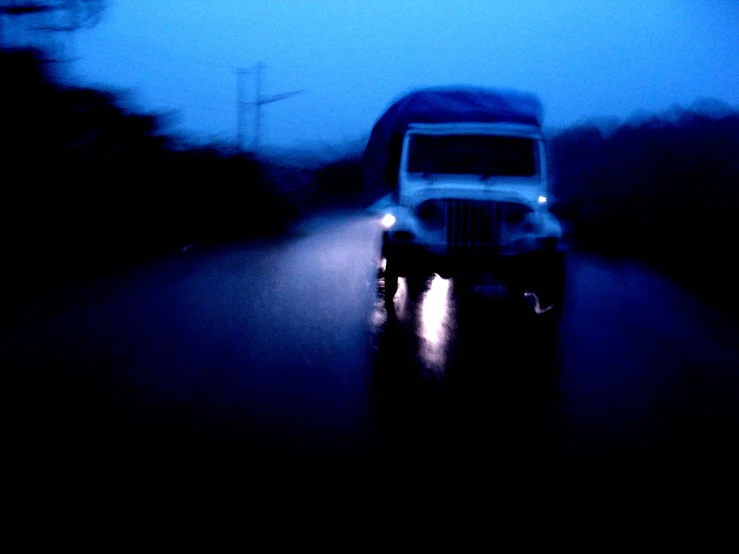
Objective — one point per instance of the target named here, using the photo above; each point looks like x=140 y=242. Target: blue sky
x=583 y=58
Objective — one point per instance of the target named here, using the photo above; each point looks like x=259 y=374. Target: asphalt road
x=281 y=352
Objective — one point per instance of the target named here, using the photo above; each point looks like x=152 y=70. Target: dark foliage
x=334 y=183
x=339 y=183
x=89 y=185
x=665 y=190
x=67 y=15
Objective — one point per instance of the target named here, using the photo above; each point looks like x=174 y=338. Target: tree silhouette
x=47 y=16
x=90 y=184
x=664 y=189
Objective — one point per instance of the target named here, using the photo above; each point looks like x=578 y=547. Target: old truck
x=465 y=169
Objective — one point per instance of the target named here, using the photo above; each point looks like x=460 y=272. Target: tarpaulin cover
x=439 y=105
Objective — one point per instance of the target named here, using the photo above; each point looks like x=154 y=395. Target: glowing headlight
x=542 y=200
x=388 y=221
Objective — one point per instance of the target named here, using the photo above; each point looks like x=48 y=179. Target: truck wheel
x=549 y=301
x=551 y=289
x=416 y=283
x=391 y=283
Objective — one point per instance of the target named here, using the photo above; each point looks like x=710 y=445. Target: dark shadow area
x=503 y=376
x=491 y=398
x=663 y=189
x=626 y=377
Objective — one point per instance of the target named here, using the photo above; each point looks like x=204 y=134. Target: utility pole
x=259 y=101
x=240 y=106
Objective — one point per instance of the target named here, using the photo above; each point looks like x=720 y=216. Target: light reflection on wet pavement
x=282 y=351
x=431 y=315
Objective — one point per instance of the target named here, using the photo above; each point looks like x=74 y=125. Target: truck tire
x=551 y=287
x=416 y=284
x=550 y=291
x=391 y=283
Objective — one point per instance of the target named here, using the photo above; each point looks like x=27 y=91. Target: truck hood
x=500 y=190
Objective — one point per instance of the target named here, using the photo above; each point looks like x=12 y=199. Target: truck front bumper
x=412 y=259
x=541 y=271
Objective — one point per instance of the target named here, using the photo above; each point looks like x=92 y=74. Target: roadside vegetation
x=663 y=189
x=91 y=184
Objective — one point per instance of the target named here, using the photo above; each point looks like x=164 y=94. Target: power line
x=259 y=101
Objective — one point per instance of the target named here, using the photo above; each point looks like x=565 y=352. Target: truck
x=467 y=195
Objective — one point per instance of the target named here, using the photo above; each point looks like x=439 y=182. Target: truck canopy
x=381 y=159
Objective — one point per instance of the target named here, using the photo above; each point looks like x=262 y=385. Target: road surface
x=281 y=351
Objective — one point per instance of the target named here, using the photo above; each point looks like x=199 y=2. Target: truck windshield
x=484 y=155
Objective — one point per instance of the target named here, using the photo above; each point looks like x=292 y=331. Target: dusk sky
x=583 y=58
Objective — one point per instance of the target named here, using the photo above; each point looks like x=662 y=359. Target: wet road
x=281 y=351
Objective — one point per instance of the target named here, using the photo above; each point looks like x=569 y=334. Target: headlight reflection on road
x=379 y=314
x=434 y=323
x=401 y=297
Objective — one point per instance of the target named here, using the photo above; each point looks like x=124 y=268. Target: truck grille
x=473 y=225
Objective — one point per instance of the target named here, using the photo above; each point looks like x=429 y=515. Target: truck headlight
x=388 y=221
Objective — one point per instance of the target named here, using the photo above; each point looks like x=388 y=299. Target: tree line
x=664 y=189
x=89 y=183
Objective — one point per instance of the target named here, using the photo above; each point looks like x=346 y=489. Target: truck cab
x=469 y=196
